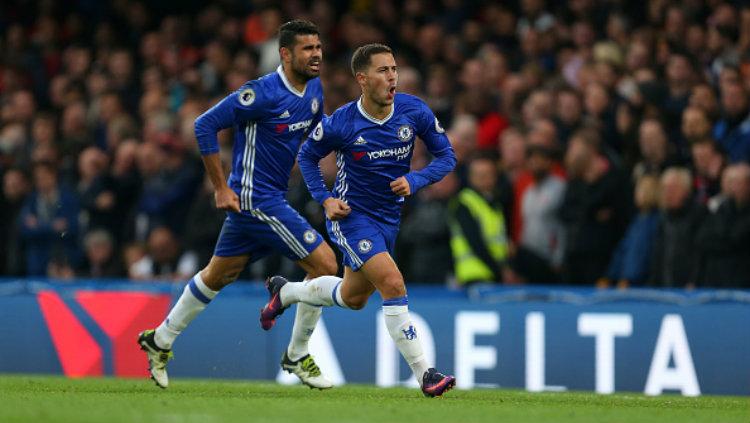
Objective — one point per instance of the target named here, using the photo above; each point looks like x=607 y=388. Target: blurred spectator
x=732 y=131
x=165 y=259
x=206 y=221
x=656 y=151
x=96 y=191
x=49 y=225
x=539 y=256
x=696 y=126
x=479 y=240
x=631 y=261
x=708 y=164
x=169 y=181
x=127 y=184
x=594 y=211
x=703 y=97
x=101 y=261
x=12 y=254
x=568 y=115
x=463 y=137
x=674 y=257
x=723 y=238
x=426 y=236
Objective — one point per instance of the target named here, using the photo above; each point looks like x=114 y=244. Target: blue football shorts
x=360 y=237
x=272 y=226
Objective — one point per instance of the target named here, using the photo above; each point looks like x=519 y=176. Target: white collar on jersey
x=289 y=86
x=372 y=119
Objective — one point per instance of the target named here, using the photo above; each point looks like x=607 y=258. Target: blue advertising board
x=536 y=338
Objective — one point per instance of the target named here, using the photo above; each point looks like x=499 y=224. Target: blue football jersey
x=271 y=119
x=371 y=153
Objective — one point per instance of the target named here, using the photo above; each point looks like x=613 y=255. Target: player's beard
x=302 y=72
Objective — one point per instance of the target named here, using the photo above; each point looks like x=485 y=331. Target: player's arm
x=318 y=146
x=240 y=106
x=433 y=135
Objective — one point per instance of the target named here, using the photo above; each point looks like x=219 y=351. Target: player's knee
x=357 y=302
x=393 y=286
x=216 y=279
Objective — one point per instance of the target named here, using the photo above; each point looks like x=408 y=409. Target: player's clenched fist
x=226 y=199
x=401 y=187
x=336 y=209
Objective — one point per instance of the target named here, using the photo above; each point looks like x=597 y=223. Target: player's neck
x=297 y=82
x=376 y=110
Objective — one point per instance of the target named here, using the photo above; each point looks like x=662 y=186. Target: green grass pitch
x=59 y=400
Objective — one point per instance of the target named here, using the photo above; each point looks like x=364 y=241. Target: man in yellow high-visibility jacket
x=479 y=239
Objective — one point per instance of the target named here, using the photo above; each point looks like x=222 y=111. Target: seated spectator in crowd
x=132 y=253
x=631 y=260
x=479 y=240
x=96 y=191
x=656 y=151
x=674 y=255
x=49 y=225
x=15 y=189
x=732 y=131
x=425 y=234
x=708 y=164
x=165 y=259
x=127 y=184
x=703 y=96
x=696 y=126
x=101 y=261
x=723 y=238
x=170 y=179
x=538 y=258
x=206 y=222
x=543 y=135
x=568 y=114
x=595 y=209
x=463 y=136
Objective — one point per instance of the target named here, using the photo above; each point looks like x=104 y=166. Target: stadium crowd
x=599 y=142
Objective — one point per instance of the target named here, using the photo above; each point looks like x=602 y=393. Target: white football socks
x=321 y=291
x=304 y=324
x=194 y=299
x=403 y=333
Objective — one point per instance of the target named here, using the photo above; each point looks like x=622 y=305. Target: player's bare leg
x=297 y=358
x=199 y=291
x=382 y=272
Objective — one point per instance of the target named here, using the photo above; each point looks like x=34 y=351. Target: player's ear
x=285 y=54
x=361 y=78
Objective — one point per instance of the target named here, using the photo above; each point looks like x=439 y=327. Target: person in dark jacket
x=14 y=191
x=595 y=209
x=673 y=260
x=425 y=234
x=723 y=239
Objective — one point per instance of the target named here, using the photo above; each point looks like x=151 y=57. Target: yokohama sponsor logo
x=400 y=153
x=300 y=125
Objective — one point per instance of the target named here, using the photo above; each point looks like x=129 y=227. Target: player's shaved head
x=288 y=32
x=363 y=55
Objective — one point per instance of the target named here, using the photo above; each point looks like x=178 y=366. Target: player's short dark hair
x=289 y=31
x=361 y=57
